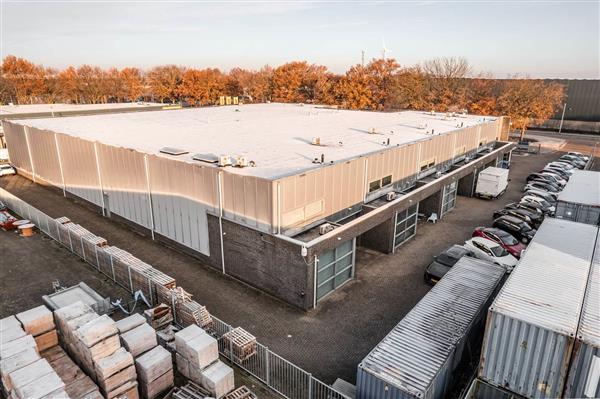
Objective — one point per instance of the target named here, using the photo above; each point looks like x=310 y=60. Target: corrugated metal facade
x=16 y=141
x=418 y=357
x=532 y=323
x=584 y=374
x=583 y=100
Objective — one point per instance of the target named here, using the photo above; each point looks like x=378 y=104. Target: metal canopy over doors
x=406 y=225
x=449 y=197
x=334 y=268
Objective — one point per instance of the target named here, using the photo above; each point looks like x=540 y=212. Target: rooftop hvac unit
x=316 y=141
x=325 y=228
x=390 y=196
x=241 y=161
x=224 y=160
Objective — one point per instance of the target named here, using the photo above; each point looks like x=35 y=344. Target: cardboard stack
x=155 y=371
x=91 y=339
x=39 y=323
x=154 y=364
x=197 y=359
x=77 y=384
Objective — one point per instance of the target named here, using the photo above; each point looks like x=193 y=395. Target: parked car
x=528 y=207
x=6 y=170
x=579 y=163
x=559 y=169
x=532 y=218
x=491 y=251
x=548 y=196
x=562 y=165
x=541 y=185
x=443 y=262
x=491 y=182
x=558 y=175
x=516 y=227
x=579 y=155
x=506 y=240
x=548 y=177
x=539 y=202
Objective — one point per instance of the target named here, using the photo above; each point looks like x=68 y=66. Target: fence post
x=310 y=385
x=70 y=240
x=83 y=249
x=268 y=372
x=97 y=260
x=230 y=344
x=173 y=306
x=112 y=267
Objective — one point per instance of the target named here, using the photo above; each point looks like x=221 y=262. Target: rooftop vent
x=241 y=161
x=316 y=141
x=224 y=160
x=173 y=151
x=208 y=158
x=325 y=228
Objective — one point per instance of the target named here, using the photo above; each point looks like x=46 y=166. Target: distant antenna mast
x=384 y=49
x=362 y=58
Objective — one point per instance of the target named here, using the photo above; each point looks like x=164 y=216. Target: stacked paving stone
x=153 y=363
x=24 y=374
x=39 y=323
x=77 y=384
x=197 y=359
x=93 y=341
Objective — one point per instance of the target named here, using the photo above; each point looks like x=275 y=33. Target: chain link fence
x=274 y=371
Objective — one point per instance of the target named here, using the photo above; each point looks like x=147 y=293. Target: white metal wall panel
x=182 y=193
x=246 y=199
x=45 y=156
x=532 y=323
x=79 y=168
x=17 y=146
x=124 y=182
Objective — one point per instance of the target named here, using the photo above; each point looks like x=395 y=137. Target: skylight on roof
x=173 y=151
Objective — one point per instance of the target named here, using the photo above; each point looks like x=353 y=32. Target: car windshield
x=450 y=257
x=508 y=239
x=438 y=270
x=498 y=251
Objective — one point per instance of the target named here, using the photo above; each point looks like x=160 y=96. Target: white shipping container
x=492 y=182
x=531 y=326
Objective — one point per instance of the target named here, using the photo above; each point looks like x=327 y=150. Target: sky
x=541 y=39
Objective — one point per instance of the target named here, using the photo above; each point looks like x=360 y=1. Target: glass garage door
x=449 y=200
x=334 y=268
x=406 y=225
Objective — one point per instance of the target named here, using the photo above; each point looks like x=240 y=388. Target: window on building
x=386 y=181
x=374 y=185
x=334 y=268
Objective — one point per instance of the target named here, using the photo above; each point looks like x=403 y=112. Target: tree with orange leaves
x=68 y=84
x=133 y=83
x=202 y=87
x=164 y=82
x=25 y=78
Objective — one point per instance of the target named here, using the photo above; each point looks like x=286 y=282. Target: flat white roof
x=277 y=137
x=547 y=287
x=583 y=188
x=61 y=107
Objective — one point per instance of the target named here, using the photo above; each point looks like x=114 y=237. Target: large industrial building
x=276 y=195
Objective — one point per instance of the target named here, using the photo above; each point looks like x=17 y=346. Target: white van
x=491 y=182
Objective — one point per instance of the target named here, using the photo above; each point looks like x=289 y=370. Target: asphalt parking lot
x=328 y=341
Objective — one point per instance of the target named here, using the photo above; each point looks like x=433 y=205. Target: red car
x=506 y=241
x=6 y=220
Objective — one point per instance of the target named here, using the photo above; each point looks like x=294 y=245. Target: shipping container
x=419 y=357
x=531 y=325
x=482 y=390
x=580 y=199
x=584 y=373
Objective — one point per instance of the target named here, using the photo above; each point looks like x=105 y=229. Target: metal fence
x=274 y=371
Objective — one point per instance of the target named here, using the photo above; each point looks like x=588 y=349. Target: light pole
x=562 y=118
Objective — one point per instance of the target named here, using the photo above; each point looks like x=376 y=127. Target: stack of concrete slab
x=77 y=384
x=34 y=381
x=39 y=323
x=93 y=341
x=197 y=359
x=153 y=363
x=155 y=372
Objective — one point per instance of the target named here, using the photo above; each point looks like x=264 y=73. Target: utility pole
x=562 y=118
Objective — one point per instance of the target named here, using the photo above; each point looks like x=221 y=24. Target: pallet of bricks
x=33 y=366
x=153 y=363
x=197 y=358
x=132 y=273
x=93 y=342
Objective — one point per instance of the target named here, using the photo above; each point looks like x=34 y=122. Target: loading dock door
x=334 y=268
x=406 y=225
x=449 y=198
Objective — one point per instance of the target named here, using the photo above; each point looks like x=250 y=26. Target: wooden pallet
x=241 y=342
x=190 y=391
x=241 y=393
